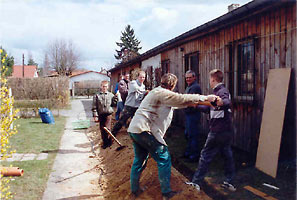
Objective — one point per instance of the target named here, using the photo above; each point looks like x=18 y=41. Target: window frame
x=165 y=67
x=189 y=66
x=238 y=92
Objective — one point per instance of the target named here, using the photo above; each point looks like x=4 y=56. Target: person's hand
x=219 y=101
x=146 y=92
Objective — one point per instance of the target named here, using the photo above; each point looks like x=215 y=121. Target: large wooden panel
x=272 y=120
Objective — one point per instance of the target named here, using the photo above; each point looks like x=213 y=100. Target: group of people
x=153 y=112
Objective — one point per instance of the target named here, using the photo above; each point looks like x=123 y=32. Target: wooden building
x=244 y=43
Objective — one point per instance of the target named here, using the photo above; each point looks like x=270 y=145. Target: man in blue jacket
x=192 y=120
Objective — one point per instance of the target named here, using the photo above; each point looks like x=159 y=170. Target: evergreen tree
x=31 y=60
x=8 y=62
x=129 y=45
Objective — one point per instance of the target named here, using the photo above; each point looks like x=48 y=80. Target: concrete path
x=74 y=174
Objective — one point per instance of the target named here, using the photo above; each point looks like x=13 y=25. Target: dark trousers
x=105 y=121
x=192 y=135
x=216 y=142
x=120 y=107
x=127 y=113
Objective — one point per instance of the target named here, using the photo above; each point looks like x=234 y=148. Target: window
x=192 y=63
x=165 y=67
x=149 y=80
x=243 y=65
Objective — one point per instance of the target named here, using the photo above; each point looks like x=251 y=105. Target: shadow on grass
x=64 y=151
x=81 y=197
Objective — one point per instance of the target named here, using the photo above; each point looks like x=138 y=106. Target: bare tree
x=62 y=56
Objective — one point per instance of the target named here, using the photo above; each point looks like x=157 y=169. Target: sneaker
x=169 y=195
x=195 y=185
x=229 y=186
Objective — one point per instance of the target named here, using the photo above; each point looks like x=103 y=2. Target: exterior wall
x=87 y=77
x=114 y=77
x=273 y=33
x=154 y=61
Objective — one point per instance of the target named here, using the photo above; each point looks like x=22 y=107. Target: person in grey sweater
x=136 y=93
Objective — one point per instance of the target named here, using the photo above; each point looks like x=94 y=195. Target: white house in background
x=86 y=76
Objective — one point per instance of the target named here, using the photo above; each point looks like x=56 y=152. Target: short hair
x=217 y=75
x=168 y=81
x=104 y=82
x=140 y=72
x=191 y=72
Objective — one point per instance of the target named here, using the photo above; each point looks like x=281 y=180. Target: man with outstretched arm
x=148 y=127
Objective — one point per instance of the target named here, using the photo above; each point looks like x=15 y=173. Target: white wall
x=152 y=61
x=86 y=77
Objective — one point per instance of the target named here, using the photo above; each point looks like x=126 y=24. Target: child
x=220 y=135
x=102 y=109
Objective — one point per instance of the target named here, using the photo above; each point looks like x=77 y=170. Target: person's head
x=104 y=86
x=168 y=81
x=215 y=76
x=141 y=76
x=127 y=77
x=190 y=77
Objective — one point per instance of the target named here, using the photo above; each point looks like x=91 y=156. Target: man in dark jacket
x=102 y=109
x=192 y=120
x=220 y=135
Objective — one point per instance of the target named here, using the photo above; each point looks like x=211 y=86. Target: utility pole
x=23 y=66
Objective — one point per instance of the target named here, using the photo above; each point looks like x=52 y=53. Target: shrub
x=7 y=116
x=40 y=88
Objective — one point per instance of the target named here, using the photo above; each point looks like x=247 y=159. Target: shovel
x=109 y=132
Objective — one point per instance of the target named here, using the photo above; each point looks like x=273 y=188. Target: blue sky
x=28 y=26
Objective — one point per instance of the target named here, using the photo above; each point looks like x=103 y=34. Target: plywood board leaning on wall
x=273 y=120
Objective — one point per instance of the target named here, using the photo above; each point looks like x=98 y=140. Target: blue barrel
x=46 y=116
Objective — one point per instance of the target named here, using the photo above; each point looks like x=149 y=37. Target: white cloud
x=94 y=26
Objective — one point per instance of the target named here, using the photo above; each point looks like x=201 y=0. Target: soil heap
x=114 y=172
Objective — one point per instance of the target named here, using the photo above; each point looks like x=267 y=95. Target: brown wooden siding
x=273 y=33
x=115 y=74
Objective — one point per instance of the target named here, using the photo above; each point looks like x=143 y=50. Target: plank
x=259 y=193
x=272 y=120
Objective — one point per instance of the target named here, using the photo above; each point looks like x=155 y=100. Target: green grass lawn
x=34 y=137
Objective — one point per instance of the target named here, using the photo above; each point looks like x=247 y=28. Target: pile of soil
x=114 y=172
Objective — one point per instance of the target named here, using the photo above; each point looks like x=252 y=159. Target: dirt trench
x=114 y=172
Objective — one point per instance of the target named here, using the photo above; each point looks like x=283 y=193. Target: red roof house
x=30 y=71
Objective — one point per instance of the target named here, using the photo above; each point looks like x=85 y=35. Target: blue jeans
x=145 y=144
x=216 y=142
x=192 y=135
x=120 y=107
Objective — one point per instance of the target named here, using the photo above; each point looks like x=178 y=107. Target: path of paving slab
x=74 y=173
x=27 y=156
